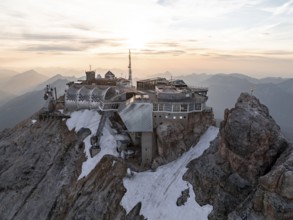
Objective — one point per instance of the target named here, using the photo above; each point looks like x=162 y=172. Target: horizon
x=67 y=72
x=251 y=37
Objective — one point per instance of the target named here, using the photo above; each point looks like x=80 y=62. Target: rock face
x=272 y=198
x=247 y=171
x=39 y=166
x=173 y=138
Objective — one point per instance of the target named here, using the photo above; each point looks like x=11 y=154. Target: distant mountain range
x=23 y=106
x=4 y=97
x=21 y=83
x=58 y=82
x=224 y=89
x=6 y=74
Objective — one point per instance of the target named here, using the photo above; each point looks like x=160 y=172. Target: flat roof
x=152 y=79
x=138 y=117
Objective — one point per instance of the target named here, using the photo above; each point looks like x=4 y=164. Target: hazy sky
x=254 y=37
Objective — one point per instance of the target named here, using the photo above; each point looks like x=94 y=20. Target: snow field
x=90 y=119
x=158 y=191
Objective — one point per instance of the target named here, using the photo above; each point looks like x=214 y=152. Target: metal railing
x=178 y=107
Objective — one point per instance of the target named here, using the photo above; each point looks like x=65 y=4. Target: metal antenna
x=129 y=69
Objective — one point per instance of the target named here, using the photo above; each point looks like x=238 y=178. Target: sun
x=136 y=41
x=138 y=36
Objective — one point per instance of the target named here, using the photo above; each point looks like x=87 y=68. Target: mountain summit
x=245 y=173
x=23 y=82
x=247 y=169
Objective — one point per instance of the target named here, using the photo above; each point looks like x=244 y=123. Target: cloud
x=161 y=52
x=279 y=10
x=76 y=44
x=164 y=44
x=83 y=27
x=286 y=8
x=278 y=52
x=260 y=55
x=186 y=28
x=164 y=2
x=46 y=48
x=48 y=36
x=104 y=42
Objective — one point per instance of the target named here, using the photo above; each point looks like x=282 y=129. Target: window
x=191 y=107
x=184 y=107
x=176 y=108
x=198 y=106
x=181 y=117
x=168 y=107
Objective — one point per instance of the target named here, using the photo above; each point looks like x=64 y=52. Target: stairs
x=95 y=140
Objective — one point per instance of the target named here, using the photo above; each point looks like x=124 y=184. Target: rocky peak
x=39 y=167
x=247 y=147
x=250 y=138
x=251 y=103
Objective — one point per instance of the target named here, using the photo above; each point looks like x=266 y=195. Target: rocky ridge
x=247 y=171
x=245 y=174
x=39 y=166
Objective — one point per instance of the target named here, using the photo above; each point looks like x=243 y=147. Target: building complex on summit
x=140 y=109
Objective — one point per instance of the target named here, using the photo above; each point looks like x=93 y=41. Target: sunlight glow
x=247 y=35
x=137 y=40
x=138 y=35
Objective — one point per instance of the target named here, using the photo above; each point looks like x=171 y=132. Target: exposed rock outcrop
x=236 y=172
x=97 y=196
x=39 y=166
x=273 y=198
x=37 y=161
x=174 y=138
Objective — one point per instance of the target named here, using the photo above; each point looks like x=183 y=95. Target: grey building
x=142 y=109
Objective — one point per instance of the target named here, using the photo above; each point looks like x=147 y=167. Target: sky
x=253 y=37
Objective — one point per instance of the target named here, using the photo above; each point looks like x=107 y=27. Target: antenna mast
x=129 y=69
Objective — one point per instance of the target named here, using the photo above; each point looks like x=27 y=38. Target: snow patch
x=34 y=121
x=158 y=191
x=90 y=119
x=113 y=163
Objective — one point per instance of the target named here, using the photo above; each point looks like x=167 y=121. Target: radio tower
x=129 y=69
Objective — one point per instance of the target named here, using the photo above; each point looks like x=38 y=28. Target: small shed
x=109 y=75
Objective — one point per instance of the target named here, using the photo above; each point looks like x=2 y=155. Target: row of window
x=169 y=107
x=81 y=98
x=171 y=117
